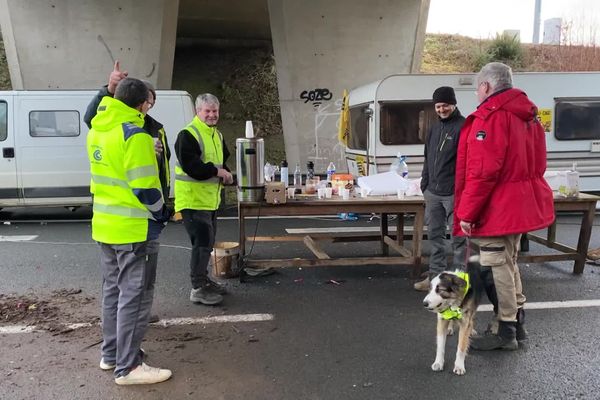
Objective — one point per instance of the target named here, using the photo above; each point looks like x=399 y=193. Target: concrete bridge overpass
x=321 y=47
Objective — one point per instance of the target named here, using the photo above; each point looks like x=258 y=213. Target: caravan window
x=54 y=123
x=3 y=121
x=406 y=122
x=359 y=127
x=577 y=119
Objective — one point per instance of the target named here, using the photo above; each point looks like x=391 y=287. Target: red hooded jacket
x=501 y=160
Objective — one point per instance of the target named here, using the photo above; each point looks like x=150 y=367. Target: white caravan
x=393 y=115
x=43 y=141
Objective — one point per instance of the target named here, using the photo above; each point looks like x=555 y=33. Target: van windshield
x=577 y=119
x=406 y=122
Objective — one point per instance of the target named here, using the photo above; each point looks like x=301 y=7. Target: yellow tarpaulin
x=344 y=126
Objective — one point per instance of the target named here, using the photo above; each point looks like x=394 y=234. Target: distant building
x=513 y=33
x=552 y=31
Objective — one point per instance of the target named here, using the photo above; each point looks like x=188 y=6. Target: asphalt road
x=364 y=338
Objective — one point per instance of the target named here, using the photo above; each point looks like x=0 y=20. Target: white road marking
x=219 y=319
x=17 y=238
x=547 y=305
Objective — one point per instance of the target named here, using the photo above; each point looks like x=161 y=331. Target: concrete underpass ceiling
x=223 y=19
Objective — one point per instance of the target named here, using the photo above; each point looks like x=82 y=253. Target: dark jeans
x=201 y=226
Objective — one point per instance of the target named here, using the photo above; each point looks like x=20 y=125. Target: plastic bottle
x=284 y=173
x=399 y=166
x=573 y=182
x=330 y=171
x=298 y=177
x=310 y=170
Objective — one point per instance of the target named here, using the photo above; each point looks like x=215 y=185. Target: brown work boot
x=422 y=286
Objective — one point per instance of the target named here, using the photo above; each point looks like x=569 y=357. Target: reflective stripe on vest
x=196 y=194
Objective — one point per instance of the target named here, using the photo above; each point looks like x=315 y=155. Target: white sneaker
x=105 y=366
x=144 y=375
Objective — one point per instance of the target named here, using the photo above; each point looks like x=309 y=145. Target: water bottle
x=298 y=177
x=310 y=170
x=284 y=173
x=330 y=171
x=399 y=166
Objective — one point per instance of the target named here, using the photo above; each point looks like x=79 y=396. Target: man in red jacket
x=500 y=193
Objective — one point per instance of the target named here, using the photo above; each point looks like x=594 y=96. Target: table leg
x=400 y=229
x=417 y=241
x=585 y=234
x=384 y=233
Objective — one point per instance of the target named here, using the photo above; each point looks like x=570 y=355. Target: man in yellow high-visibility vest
x=200 y=173
x=129 y=214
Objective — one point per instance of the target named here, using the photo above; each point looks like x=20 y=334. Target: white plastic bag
x=386 y=183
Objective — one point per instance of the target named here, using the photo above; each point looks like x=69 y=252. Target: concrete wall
x=325 y=46
x=72 y=44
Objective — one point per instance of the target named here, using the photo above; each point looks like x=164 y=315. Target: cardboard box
x=275 y=193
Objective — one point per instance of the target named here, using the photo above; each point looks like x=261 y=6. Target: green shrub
x=504 y=48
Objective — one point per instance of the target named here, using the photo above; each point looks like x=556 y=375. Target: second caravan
x=393 y=116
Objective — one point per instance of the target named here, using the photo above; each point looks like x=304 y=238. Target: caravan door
x=9 y=193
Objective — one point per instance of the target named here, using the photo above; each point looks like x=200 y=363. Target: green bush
x=504 y=48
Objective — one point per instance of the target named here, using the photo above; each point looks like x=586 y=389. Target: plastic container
x=571 y=187
x=399 y=166
x=330 y=171
x=285 y=173
x=298 y=177
x=310 y=170
x=225 y=257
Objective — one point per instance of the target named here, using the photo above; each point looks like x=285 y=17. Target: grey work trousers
x=201 y=226
x=129 y=273
x=439 y=211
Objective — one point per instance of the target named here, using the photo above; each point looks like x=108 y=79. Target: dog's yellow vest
x=456 y=312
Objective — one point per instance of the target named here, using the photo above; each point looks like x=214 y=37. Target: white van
x=43 y=141
x=393 y=115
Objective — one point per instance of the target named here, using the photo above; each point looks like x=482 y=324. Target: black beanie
x=444 y=94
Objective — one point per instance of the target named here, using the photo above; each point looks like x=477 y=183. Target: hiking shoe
x=205 y=296
x=216 y=287
x=422 y=286
x=104 y=366
x=144 y=375
x=505 y=339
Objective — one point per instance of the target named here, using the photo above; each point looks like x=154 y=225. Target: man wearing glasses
x=501 y=193
x=152 y=126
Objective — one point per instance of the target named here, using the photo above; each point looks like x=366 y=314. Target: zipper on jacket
x=212 y=137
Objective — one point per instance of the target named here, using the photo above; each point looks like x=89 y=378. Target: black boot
x=521 y=331
x=506 y=339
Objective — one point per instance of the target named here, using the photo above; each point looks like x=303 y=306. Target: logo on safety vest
x=480 y=135
x=97 y=155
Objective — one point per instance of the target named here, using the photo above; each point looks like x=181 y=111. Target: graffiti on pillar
x=316 y=96
x=326 y=147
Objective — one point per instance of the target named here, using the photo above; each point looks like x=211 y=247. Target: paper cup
x=291 y=193
x=364 y=192
x=321 y=193
x=401 y=194
x=345 y=194
x=328 y=192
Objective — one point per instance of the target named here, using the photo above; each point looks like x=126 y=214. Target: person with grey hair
x=501 y=193
x=129 y=213
x=200 y=173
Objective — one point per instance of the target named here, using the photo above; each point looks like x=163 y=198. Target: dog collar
x=456 y=312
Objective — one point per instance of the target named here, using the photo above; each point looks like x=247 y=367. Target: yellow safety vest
x=122 y=159
x=191 y=193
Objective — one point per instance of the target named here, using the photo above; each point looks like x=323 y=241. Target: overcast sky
x=482 y=19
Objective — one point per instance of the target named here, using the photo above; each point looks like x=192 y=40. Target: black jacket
x=151 y=126
x=188 y=153
x=440 y=155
